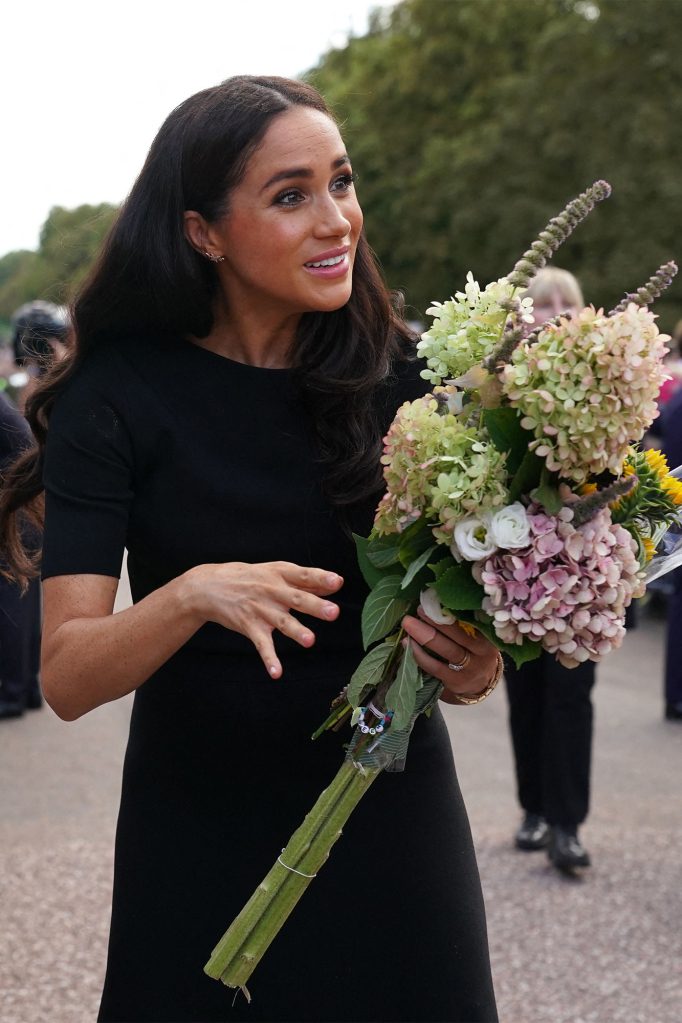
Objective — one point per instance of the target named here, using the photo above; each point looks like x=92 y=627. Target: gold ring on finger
x=462 y=664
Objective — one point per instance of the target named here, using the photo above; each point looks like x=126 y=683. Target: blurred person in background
x=550 y=709
x=39 y=336
x=40 y=332
x=669 y=435
x=673 y=365
x=19 y=611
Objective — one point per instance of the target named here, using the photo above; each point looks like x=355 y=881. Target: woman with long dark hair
x=237 y=360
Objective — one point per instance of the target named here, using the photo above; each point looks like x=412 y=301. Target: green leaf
x=416 y=565
x=402 y=695
x=383 y=551
x=458 y=590
x=383 y=609
x=527 y=476
x=412 y=592
x=414 y=540
x=547 y=493
x=507 y=434
x=370 y=574
x=439 y=568
x=368 y=672
x=526 y=651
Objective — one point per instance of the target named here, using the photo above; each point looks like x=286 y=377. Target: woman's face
x=550 y=306
x=292 y=227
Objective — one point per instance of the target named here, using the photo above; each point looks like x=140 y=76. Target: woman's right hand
x=256 y=600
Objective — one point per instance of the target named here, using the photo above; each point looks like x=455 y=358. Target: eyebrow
x=302 y=172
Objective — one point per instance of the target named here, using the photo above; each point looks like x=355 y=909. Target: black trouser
x=550 y=715
x=19 y=643
x=673 y=653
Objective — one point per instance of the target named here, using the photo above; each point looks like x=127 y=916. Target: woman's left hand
x=437 y=647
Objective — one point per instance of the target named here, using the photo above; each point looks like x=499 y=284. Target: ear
x=196 y=231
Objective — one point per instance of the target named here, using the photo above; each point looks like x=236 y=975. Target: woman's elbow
x=62 y=707
x=57 y=695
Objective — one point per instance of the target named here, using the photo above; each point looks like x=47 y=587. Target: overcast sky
x=85 y=86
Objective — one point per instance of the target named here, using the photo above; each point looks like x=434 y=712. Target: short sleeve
x=88 y=479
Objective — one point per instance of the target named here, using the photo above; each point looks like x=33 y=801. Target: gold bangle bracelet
x=469 y=701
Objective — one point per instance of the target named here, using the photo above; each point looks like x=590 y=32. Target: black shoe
x=534 y=833
x=673 y=712
x=11 y=709
x=566 y=851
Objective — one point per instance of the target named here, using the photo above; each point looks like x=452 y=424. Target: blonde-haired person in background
x=554 y=291
x=673 y=365
x=550 y=710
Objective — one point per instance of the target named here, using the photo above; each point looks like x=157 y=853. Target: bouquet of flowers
x=517 y=503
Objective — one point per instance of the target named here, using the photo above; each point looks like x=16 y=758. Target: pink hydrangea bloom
x=567 y=590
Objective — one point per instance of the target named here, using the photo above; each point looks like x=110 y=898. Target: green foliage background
x=470 y=123
x=69 y=242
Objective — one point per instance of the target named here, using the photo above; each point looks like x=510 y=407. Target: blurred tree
x=471 y=122
x=69 y=242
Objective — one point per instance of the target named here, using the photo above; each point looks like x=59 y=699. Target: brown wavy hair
x=149 y=278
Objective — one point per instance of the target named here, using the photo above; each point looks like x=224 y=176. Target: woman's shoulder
x=105 y=396
x=110 y=371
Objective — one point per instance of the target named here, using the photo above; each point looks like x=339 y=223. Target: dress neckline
x=239 y=367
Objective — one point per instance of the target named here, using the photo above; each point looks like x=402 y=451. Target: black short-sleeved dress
x=185 y=457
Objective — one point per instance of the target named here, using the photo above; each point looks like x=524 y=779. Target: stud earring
x=214 y=259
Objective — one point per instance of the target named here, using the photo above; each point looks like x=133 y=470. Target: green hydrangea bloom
x=466 y=329
x=436 y=466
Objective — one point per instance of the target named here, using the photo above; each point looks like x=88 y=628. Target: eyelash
x=346 y=180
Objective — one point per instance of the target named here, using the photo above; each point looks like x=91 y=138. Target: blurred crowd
x=39 y=336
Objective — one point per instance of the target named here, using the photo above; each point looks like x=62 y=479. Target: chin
x=330 y=303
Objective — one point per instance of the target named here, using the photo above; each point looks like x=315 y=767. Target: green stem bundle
x=250 y=934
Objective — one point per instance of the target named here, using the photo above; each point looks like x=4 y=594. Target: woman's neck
x=252 y=337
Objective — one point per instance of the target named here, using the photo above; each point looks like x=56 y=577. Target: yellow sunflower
x=649 y=549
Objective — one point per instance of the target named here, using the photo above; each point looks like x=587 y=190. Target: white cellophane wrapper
x=668 y=543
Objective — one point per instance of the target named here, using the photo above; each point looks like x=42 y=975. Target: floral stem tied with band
x=517 y=504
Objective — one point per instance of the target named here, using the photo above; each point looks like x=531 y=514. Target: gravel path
x=602 y=949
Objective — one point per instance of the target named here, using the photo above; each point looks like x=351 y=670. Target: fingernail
x=333 y=579
x=307 y=637
x=404 y=643
x=330 y=611
x=274 y=670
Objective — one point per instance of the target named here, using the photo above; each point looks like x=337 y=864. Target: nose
x=330 y=221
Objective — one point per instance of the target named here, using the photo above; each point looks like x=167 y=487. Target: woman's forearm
x=91 y=656
x=88 y=661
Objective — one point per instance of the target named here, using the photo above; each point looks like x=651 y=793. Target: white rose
x=473 y=540
x=509 y=527
x=431 y=606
